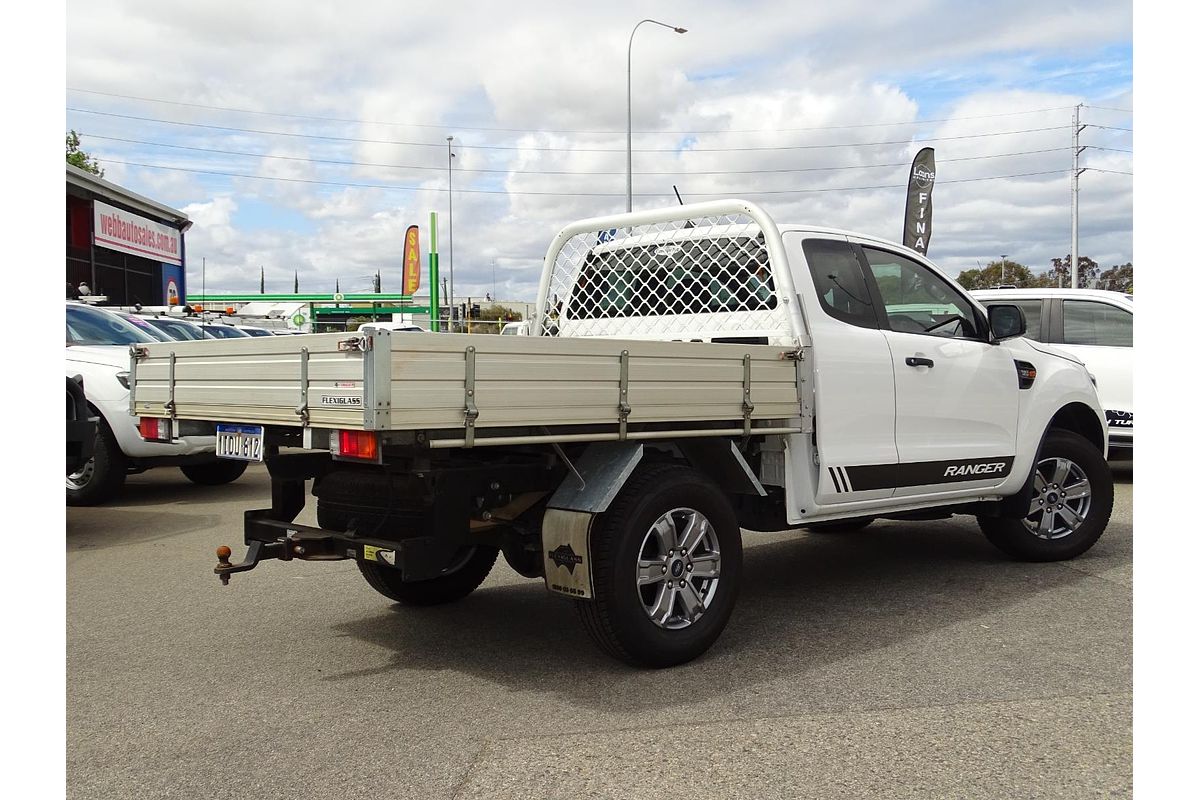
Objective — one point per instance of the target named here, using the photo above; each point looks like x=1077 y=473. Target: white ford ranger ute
x=690 y=373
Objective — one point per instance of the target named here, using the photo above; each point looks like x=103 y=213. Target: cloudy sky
x=308 y=137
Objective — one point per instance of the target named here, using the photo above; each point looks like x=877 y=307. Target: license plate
x=241 y=442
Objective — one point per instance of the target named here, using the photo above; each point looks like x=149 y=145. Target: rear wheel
x=666 y=561
x=214 y=473
x=462 y=576
x=1068 y=509
x=102 y=476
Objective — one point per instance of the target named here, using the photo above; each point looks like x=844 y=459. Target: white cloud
x=751 y=76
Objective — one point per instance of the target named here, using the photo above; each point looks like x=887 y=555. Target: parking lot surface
x=907 y=660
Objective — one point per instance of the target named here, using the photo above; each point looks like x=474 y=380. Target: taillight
x=358 y=445
x=154 y=429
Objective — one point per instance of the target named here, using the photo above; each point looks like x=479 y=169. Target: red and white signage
x=122 y=230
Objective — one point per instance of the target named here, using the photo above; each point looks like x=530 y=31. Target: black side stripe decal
x=923 y=473
x=846 y=480
x=836 y=484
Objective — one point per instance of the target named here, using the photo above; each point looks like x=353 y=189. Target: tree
x=1060 y=272
x=497 y=315
x=78 y=158
x=1117 y=279
x=995 y=274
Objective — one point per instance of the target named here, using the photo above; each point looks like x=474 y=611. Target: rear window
x=838 y=278
x=695 y=276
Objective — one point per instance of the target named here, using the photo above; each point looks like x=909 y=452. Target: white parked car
x=98 y=350
x=515 y=329
x=384 y=325
x=1094 y=326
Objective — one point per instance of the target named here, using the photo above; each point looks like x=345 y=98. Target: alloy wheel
x=679 y=568
x=1062 y=497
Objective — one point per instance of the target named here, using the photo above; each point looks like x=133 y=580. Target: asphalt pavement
x=907 y=660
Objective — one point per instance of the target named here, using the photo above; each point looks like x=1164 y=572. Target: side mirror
x=1006 y=322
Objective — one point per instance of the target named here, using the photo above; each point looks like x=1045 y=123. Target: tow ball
x=224 y=568
x=296 y=541
x=223 y=554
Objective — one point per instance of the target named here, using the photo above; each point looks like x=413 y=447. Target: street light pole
x=629 y=109
x=450 y=180
x=1003 y=264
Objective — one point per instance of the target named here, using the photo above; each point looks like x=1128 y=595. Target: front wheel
x=1069 y=508
x=102 y=476
x=667 y=561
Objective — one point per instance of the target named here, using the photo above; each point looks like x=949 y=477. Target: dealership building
x=122 y=245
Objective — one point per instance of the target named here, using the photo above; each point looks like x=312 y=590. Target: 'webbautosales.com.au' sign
x=121 y=230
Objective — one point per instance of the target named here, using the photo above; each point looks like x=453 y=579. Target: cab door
x=956 y=394
x=855 y=403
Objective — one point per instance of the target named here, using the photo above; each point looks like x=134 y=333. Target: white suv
x=1094 y=326
x=98 y=349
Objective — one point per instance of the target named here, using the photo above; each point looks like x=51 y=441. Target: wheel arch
x=1081 y=419
x=605 y=467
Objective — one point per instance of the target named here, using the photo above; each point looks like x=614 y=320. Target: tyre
x=215 y=473
x=1071 y=502
x=102 y=476
x=373 y=503
x=841 y=525
x=666 y=565
x=463 y=576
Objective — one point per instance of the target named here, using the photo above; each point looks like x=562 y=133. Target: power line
x=1108 y=149
x=447 y=126
x=1110 y=171
x=558 y=172
x=1109 y=108
x=1107 y=127
x=731 y=193
x=568 y=149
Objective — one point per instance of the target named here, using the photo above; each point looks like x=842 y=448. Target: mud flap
x=566 y=549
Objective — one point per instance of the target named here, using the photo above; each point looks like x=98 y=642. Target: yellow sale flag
x=412 y=261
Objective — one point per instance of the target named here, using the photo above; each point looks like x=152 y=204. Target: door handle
x=918 y=361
